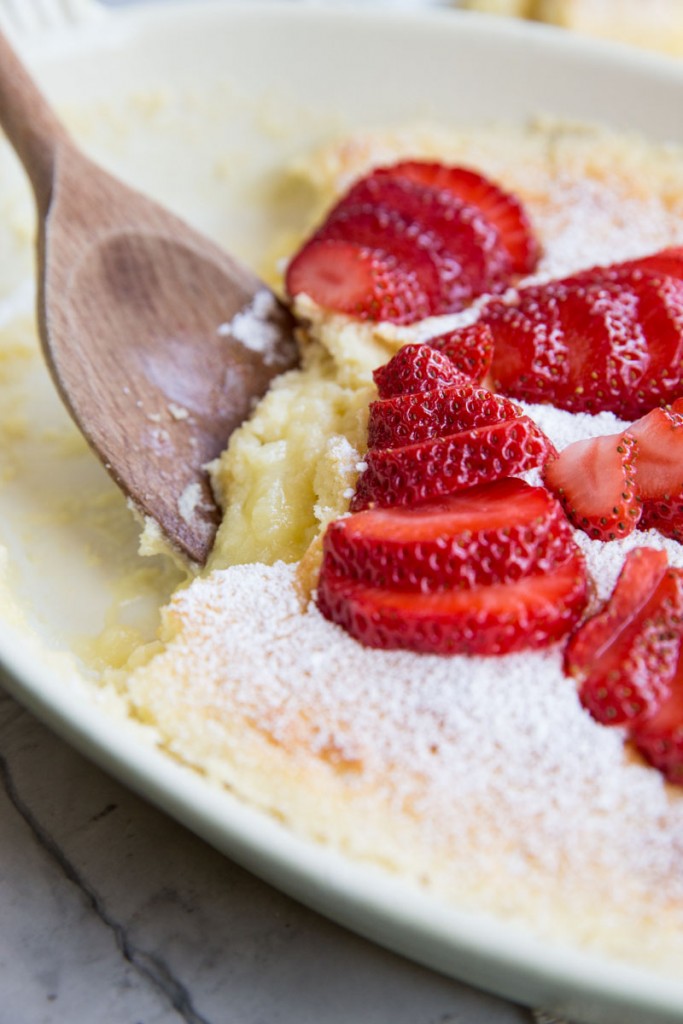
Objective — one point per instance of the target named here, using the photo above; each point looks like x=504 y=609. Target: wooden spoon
x=157 y=340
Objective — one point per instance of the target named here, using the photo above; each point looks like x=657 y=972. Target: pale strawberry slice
x=410 y=418
x=594 y=480
x=416 y=369
x=659 y=470
x=625 y=656
x=496 y=533
x=470 y=349
x=659 y=738
x=499 y=618
x=465 y=247
x=362 y=282
x=444 y=465
x=501 y=208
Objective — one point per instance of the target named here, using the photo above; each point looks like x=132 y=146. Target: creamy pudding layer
x=481 y=778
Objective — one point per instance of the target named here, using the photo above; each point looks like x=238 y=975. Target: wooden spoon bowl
x=158 y=341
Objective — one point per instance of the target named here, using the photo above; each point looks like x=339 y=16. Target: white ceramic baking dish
x=200 y=103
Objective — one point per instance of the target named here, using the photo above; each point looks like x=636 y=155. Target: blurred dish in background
x=654 y=24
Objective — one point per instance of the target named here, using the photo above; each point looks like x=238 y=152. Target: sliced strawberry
x=501 y=208
x=606 y=339
x=660 y=313
x=416 y=369
x=580 y=346
x=385 y=231
x=607 y=351
x=659 y=738
x=657 y=283
x=464 y=246
x=625 y=656
x=665 y=263
x=470 y=349
x=529 y=613
x=444 y=465
x=354 y=279
x=659 y=470
x=495 y=533
x=410 y=418
x=530 y=349
x=594 y=480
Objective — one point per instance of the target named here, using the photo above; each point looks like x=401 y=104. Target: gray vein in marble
x=150 y=967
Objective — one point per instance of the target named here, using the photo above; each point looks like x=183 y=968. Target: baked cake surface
x=482 y=779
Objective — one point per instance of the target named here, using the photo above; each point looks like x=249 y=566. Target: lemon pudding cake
x=423 y=682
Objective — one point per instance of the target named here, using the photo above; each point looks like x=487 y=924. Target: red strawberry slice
x=607 y=339
x=594 y=480
x=529 y=613
x=625 y=656
x=444 y=465
x=607 y=351
x=659 y=738
x=530 y=349
x=463 y=244
x=385 y=231
x=659 y=470
x=416 y=369
x=579 y=346
x=410 y=418
x=470 y=349
x=496 y=533
x=665 y=263
x=501 y=208
x=354 y=279
x=661 y=316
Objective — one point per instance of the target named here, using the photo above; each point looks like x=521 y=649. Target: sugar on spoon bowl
x=158 y=341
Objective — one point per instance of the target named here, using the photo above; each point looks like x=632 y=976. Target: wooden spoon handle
x=29 y=122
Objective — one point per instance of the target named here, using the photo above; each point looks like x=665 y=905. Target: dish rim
x=390 y=911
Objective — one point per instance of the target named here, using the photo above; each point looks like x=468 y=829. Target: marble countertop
x=112 y=912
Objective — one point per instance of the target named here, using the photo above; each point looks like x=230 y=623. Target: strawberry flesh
x=410 y=418
x=495 y=533
x=385 y=231
x=470 y=349
x=594 y=480
x=500 y=208
x=454 y=235
x=444 y=465
x=495 y=619
x=463 y=244
x=659 y=738
x=607 y=339
x=659 y=470
x=416 y=369
x=354 y=279
x=625 y=656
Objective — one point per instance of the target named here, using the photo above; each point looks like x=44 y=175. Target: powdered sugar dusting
x=483 y=776
x=257 y=326
x=497 y=747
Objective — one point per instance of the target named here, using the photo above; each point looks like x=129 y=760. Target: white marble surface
x=111 y=912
